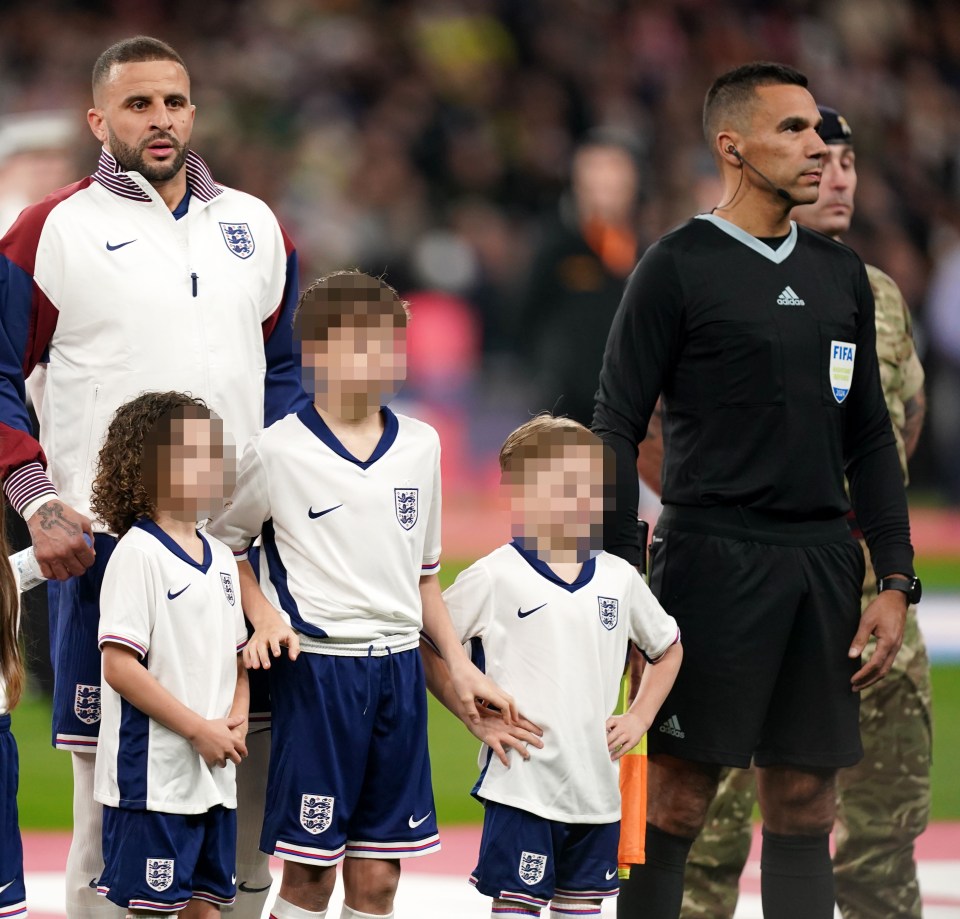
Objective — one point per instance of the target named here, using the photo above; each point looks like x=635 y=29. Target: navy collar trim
x=586 y=571
x=199 y=179
x=151 y=527
x=312 y=420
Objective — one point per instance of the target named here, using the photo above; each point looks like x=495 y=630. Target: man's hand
x=491 y=729
x=216 y=741
x=884 y=617
x=624 y=733
x=56 y=530
x=267 y=640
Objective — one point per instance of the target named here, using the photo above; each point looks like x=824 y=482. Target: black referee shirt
x=767 y=362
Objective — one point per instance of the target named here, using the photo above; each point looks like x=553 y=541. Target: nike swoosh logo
x=610 y=875
x=312 y=514
x=119 y=245
x=523 y=614
x=243 y=887
x=233 y=879
x=5 y=886
x=173 y=596
x=413 y=824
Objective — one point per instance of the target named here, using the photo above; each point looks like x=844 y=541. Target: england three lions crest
x=316 y=812
x=532 y=868
x=238 y=238
x=609 y=609
x=227 y=581
x=405 y=500
x=159 y=873
x=86 y=703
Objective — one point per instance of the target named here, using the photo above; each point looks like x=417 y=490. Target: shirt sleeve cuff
x=28 y=488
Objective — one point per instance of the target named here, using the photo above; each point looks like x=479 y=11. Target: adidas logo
x=788 y=297
x=672 y=727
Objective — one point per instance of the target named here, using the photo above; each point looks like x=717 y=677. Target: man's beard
x=130 y=159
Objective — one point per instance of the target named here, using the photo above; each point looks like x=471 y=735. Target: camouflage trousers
x=883 y=804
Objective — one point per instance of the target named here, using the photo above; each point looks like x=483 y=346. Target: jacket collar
x=125 y=184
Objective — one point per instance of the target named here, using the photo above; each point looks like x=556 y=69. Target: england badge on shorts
x=609 y=609
x=159 y=873
x=227 y=581
x=405 y=501
x=86 y=703
x=316 y=812
x=842 y=354
x=532 y=868
x=238 y=238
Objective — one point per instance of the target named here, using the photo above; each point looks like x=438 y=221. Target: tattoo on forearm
x=51 y=515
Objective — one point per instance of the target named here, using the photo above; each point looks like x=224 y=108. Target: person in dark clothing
x=577 y=277
x=760 y=335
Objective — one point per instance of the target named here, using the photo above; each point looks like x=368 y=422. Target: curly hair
x=126 y=487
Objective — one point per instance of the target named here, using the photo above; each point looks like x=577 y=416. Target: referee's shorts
x=767 y=610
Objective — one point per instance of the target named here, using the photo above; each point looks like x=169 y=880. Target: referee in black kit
x=760 y=336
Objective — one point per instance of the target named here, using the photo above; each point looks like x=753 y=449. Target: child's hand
x=267 y=641
x=491 y=730
x=239 y=733
x=216 y=743
x=470 y=684
x=624 y=733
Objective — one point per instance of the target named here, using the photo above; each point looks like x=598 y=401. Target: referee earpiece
x=734 y=151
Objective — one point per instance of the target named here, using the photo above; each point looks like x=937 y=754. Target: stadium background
x=433 y=141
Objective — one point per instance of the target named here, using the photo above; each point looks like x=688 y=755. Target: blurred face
x=833 y=210
x=143 y=116
x=358 y=368
x=783 y=142
x=605 y=183
x=202 y=469
x=558 y=502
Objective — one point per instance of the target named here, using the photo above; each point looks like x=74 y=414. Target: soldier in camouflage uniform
x=884 y=801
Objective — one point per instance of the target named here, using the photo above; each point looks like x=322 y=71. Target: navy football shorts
x=349 y=765
x=530 y=860
x=158 y=862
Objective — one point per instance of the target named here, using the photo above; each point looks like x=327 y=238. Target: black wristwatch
x=910 y=586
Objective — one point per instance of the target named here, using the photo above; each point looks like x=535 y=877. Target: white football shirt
x=184 y=620
x=344 y=542
x=560 y=650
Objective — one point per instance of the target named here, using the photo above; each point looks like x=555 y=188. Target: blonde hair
x=11 y=655
x=542 y=437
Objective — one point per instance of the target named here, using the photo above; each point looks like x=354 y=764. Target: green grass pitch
x=46 y=782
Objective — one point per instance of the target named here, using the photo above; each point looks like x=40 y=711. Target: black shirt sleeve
x=870 y=454
x=643 y=343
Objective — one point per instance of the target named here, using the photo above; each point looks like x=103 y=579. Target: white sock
x=348 y=913
x=281 y=909
x=85 y=858
x=253 y=866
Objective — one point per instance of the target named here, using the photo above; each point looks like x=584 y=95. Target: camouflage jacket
x=901 y=374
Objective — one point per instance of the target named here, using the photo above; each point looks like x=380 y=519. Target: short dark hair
x=346 y=298
x=733 y=93
x=134 y=50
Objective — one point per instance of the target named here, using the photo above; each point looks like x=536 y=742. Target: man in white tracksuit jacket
x=146 y=275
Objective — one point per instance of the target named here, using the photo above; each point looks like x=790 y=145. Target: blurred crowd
x=504 y=162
